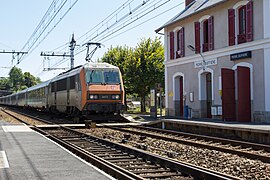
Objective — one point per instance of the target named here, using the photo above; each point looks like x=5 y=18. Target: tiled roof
x=195 y=7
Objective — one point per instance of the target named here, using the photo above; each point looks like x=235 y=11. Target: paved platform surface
x=258 y=127
x=25 y=154
x=252 y=126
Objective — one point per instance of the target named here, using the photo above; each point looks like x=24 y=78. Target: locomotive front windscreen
x=102 y=76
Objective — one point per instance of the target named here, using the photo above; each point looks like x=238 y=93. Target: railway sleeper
x=112 y=154
x=146 y=171
x=118 y=158
x=97 y=151
x=136 y=163
x=131 y=166
x=158 y=176
x=123 y=160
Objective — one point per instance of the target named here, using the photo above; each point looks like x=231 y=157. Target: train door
x=55 y=95
x=68 y=91
x=46 y=97
x=78 y=89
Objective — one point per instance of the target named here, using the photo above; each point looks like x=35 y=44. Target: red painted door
x=244 y=98
x=181 y=96
x=228 y=95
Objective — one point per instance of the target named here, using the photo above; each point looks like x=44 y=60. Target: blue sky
x=19 y=19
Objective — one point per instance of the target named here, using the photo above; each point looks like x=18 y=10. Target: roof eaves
x=198 y=10
x=175 y=17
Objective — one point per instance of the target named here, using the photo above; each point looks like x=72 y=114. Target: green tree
x=4 y=83
x=148 y=68
x=141 y=67
x=30 y=80
x=16 y=78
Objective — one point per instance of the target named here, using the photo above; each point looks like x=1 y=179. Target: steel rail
x=199 y=144
x=95 y=160
x=197 y=172
x=232 y=142
x=27 y=115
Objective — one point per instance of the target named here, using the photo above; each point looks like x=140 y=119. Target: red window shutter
x=182 y=42
x=171 y=45
x=231 y=25
x=211 y=33
x=197 y=37
x=249 y=32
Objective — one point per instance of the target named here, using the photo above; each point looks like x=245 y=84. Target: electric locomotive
x=84 y=90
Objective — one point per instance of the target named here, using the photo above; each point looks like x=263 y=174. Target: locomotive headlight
x=116 y=96
x=93 y=96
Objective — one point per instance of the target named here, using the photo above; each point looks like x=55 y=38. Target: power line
x=134 y=20
x=149 y=19
x=52 y=12
x=134 y=17
x=142 y=5
x=120 y=27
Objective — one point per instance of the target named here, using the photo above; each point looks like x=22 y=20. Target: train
x=87 y=89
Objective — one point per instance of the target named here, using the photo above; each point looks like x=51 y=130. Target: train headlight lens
x=93 y=96
x=116 y=96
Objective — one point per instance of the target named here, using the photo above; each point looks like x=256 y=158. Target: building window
x=180 y=45
x=242 y=25
x=240 y=22
x=204 y=34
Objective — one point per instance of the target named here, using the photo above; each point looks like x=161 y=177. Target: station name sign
x=241 y=55
x=200 y=64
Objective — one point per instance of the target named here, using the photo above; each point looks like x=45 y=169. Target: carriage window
x=61 y=85
x=72 y=82
x=52 y=87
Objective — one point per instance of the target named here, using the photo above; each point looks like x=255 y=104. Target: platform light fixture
x=194 y=50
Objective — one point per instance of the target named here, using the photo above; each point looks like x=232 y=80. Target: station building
x=217 y=60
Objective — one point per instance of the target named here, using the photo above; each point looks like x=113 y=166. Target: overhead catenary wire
x=149 y=19
x=125 y=22
x=122 y=26
x=52 y=12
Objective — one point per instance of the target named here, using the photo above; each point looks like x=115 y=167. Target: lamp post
x=194 y=50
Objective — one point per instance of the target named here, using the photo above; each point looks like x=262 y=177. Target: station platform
x=252 y=132
x=26 y=154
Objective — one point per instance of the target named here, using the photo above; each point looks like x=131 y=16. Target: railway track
x=134 y=163
x=228 y=163
x=27 y=119
x=120 y=161
x=78 y=143
x=241 y=148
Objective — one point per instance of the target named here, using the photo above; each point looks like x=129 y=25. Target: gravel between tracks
x=28 y=120
x=218 y=161
x=7 y=117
